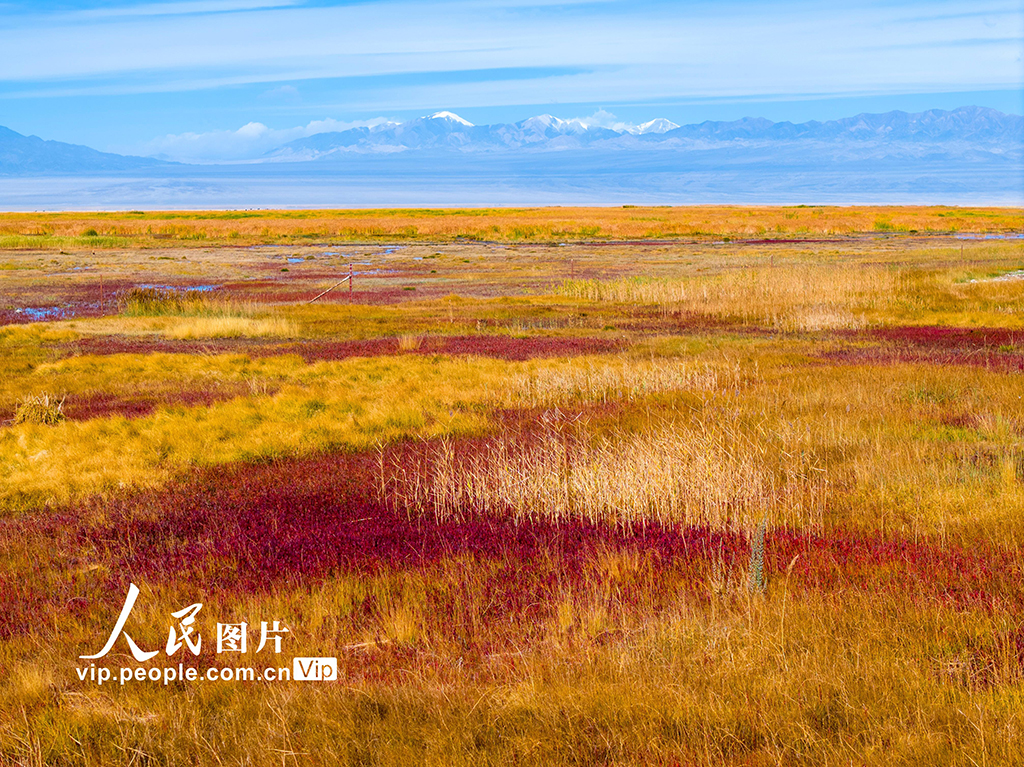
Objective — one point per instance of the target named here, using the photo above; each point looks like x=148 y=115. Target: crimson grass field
x=550 y=495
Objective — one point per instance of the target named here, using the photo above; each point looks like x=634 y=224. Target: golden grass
x=127 y=376
x=700 y=476
x=349 y=404
x=889 y=455
x=786 y=298
x=230 y=327
x=64 y=230
x=626 y=379
x=709 y=427
x=408 y=342
x=150 y=302
x=797 y=446
x=889 y=458
x=41 y=409
x=319 y=406
x=812 y=678
x=191 y=314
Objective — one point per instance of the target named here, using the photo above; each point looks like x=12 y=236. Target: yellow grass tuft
x=40 y=409
x=230 y=327
x=203 y=228
x=409 y=342
x=785 y=298
x=624 y=380
x=701 y=475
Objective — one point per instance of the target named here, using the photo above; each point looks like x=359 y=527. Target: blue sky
x=226 y=77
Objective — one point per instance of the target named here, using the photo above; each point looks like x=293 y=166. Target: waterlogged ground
x=694 y=501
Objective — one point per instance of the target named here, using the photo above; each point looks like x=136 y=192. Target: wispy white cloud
x=185 y=8
x=620 y=51
x=249 y=142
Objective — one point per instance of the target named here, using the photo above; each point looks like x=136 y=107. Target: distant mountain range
x=30 y=155
x=445 y=130
x=959 y=130
x=967 y=156
x=973 y=133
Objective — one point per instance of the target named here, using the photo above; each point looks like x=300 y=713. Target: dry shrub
x=40 y=408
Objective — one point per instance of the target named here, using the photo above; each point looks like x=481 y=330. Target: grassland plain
x=589 y=487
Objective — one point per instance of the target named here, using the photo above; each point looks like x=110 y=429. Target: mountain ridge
x=981 y=126
x=976 y=134
x=31 y=154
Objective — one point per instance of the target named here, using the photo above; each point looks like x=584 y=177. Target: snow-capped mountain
x=551 y=126
x=937 y=130
x=965 y=156
x=446 y=130
x=974 y=135
x=449 y=117
x=657 y=125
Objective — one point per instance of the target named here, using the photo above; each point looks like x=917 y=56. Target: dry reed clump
x=41 y=409
x=409 y=342
x=624 y=381
x=169 y=302
x=793 y=299
x=159 y=302
x=201 y=316
x=698 y=476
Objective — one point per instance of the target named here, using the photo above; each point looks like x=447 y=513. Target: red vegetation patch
x=994 y=348
x=686 y=322
x=698 y=238
x=59 y=301
x=122 y=344
x=82 y=407
x=99 y=405
x=981 y=576
x=291 y=523
x=500 y=347
x=954 y=339
x=781 y=241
